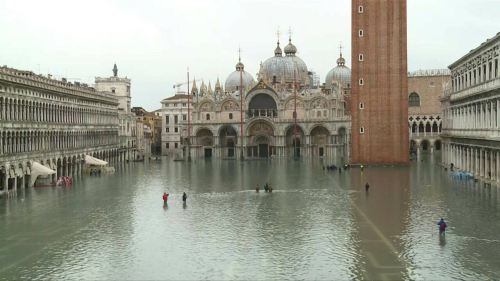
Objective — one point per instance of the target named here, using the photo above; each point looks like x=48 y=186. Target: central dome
x=278 y=67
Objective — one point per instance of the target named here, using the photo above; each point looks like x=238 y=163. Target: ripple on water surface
x=316 y=225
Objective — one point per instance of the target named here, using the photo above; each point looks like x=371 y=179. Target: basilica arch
x=320 y=141
x=228 y=140
x=261 y=139
x=262 y=105
x=294 y=142
x=204 y=143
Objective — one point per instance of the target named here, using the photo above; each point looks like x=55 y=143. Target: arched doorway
x=227 y=141
x=262 y=143
x=425 y=146
x=437 y=145
x=205 y=142
x=319 y=141
x=294 y=140
x=262 y=140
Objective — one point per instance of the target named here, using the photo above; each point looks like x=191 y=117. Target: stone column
x=477 y=165
x=481 y=162
x=492 y=166
x=498 y=166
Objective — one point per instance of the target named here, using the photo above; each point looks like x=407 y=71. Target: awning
x=89 y=160
x=38 y=169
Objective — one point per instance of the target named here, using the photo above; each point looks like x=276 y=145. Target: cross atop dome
x=278 y=33
x=290 y=32
x=340 y=48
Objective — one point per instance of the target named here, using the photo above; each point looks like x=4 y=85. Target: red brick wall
x=429 y=95
x=385 y=89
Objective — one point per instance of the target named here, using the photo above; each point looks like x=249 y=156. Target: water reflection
x=315 y=225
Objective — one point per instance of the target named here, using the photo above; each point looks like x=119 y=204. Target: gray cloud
x=153 y=42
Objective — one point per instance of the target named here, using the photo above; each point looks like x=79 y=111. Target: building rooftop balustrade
x=31 y=79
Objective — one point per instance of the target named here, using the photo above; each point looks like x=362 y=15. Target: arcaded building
x=471 y=106
x=55 y=123
x=424 y=109
x=379 y=82
x=283 y=85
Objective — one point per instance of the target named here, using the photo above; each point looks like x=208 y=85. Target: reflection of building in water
x=268 y=112
x=424 y=112
x=471 y=106
x=381 y=218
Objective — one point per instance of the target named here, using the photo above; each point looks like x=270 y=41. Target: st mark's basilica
x=322 y=123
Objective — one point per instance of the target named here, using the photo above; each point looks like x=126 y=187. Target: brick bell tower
x=379 y=131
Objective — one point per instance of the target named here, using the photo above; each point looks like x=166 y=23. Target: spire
x=340 y=60
x=239 y=65
x=115 y=70
x=290 y=49
x=210 y=87
x=194 y=89
x=277 y=51
x=194 y=84
x=217 y=83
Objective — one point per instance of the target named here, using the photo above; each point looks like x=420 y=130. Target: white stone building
x=173 y=110
x=471 y=112
x=120 y=88
x=323 y=127
x=54 y=123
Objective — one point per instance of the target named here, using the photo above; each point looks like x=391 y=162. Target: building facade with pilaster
x=471 y=112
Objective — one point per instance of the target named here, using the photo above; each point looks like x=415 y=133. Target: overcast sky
x=153 y=42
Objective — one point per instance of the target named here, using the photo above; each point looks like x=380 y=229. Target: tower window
x=230 y=116
x=361 y=82
x=361 y=33
x=360 y=9
x=361 y=130
x=361 y=105
x=360 y=57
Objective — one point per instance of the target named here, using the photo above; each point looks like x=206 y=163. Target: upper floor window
x=208 y=117
x=361 y=130
x=361 y=81
x=360 y=9
x=360 y=57
x=361 y=105
x=175 y=105
x=360 y=33
x=184 y=104
x=184 y=117
x=414 y=99
x=230 y=116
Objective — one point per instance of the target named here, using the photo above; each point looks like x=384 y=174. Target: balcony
x=476 y=89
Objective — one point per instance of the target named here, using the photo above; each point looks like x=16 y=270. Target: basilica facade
x=283 y=87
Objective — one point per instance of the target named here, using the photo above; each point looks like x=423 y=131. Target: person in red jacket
x=165 y=197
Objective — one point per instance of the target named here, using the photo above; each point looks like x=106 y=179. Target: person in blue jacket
x=442 y=227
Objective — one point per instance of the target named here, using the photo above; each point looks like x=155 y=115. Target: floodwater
x=315 y=225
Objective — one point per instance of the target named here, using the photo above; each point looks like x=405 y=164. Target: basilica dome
x=233 y=80
x=278 y=67
x=340 y=73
